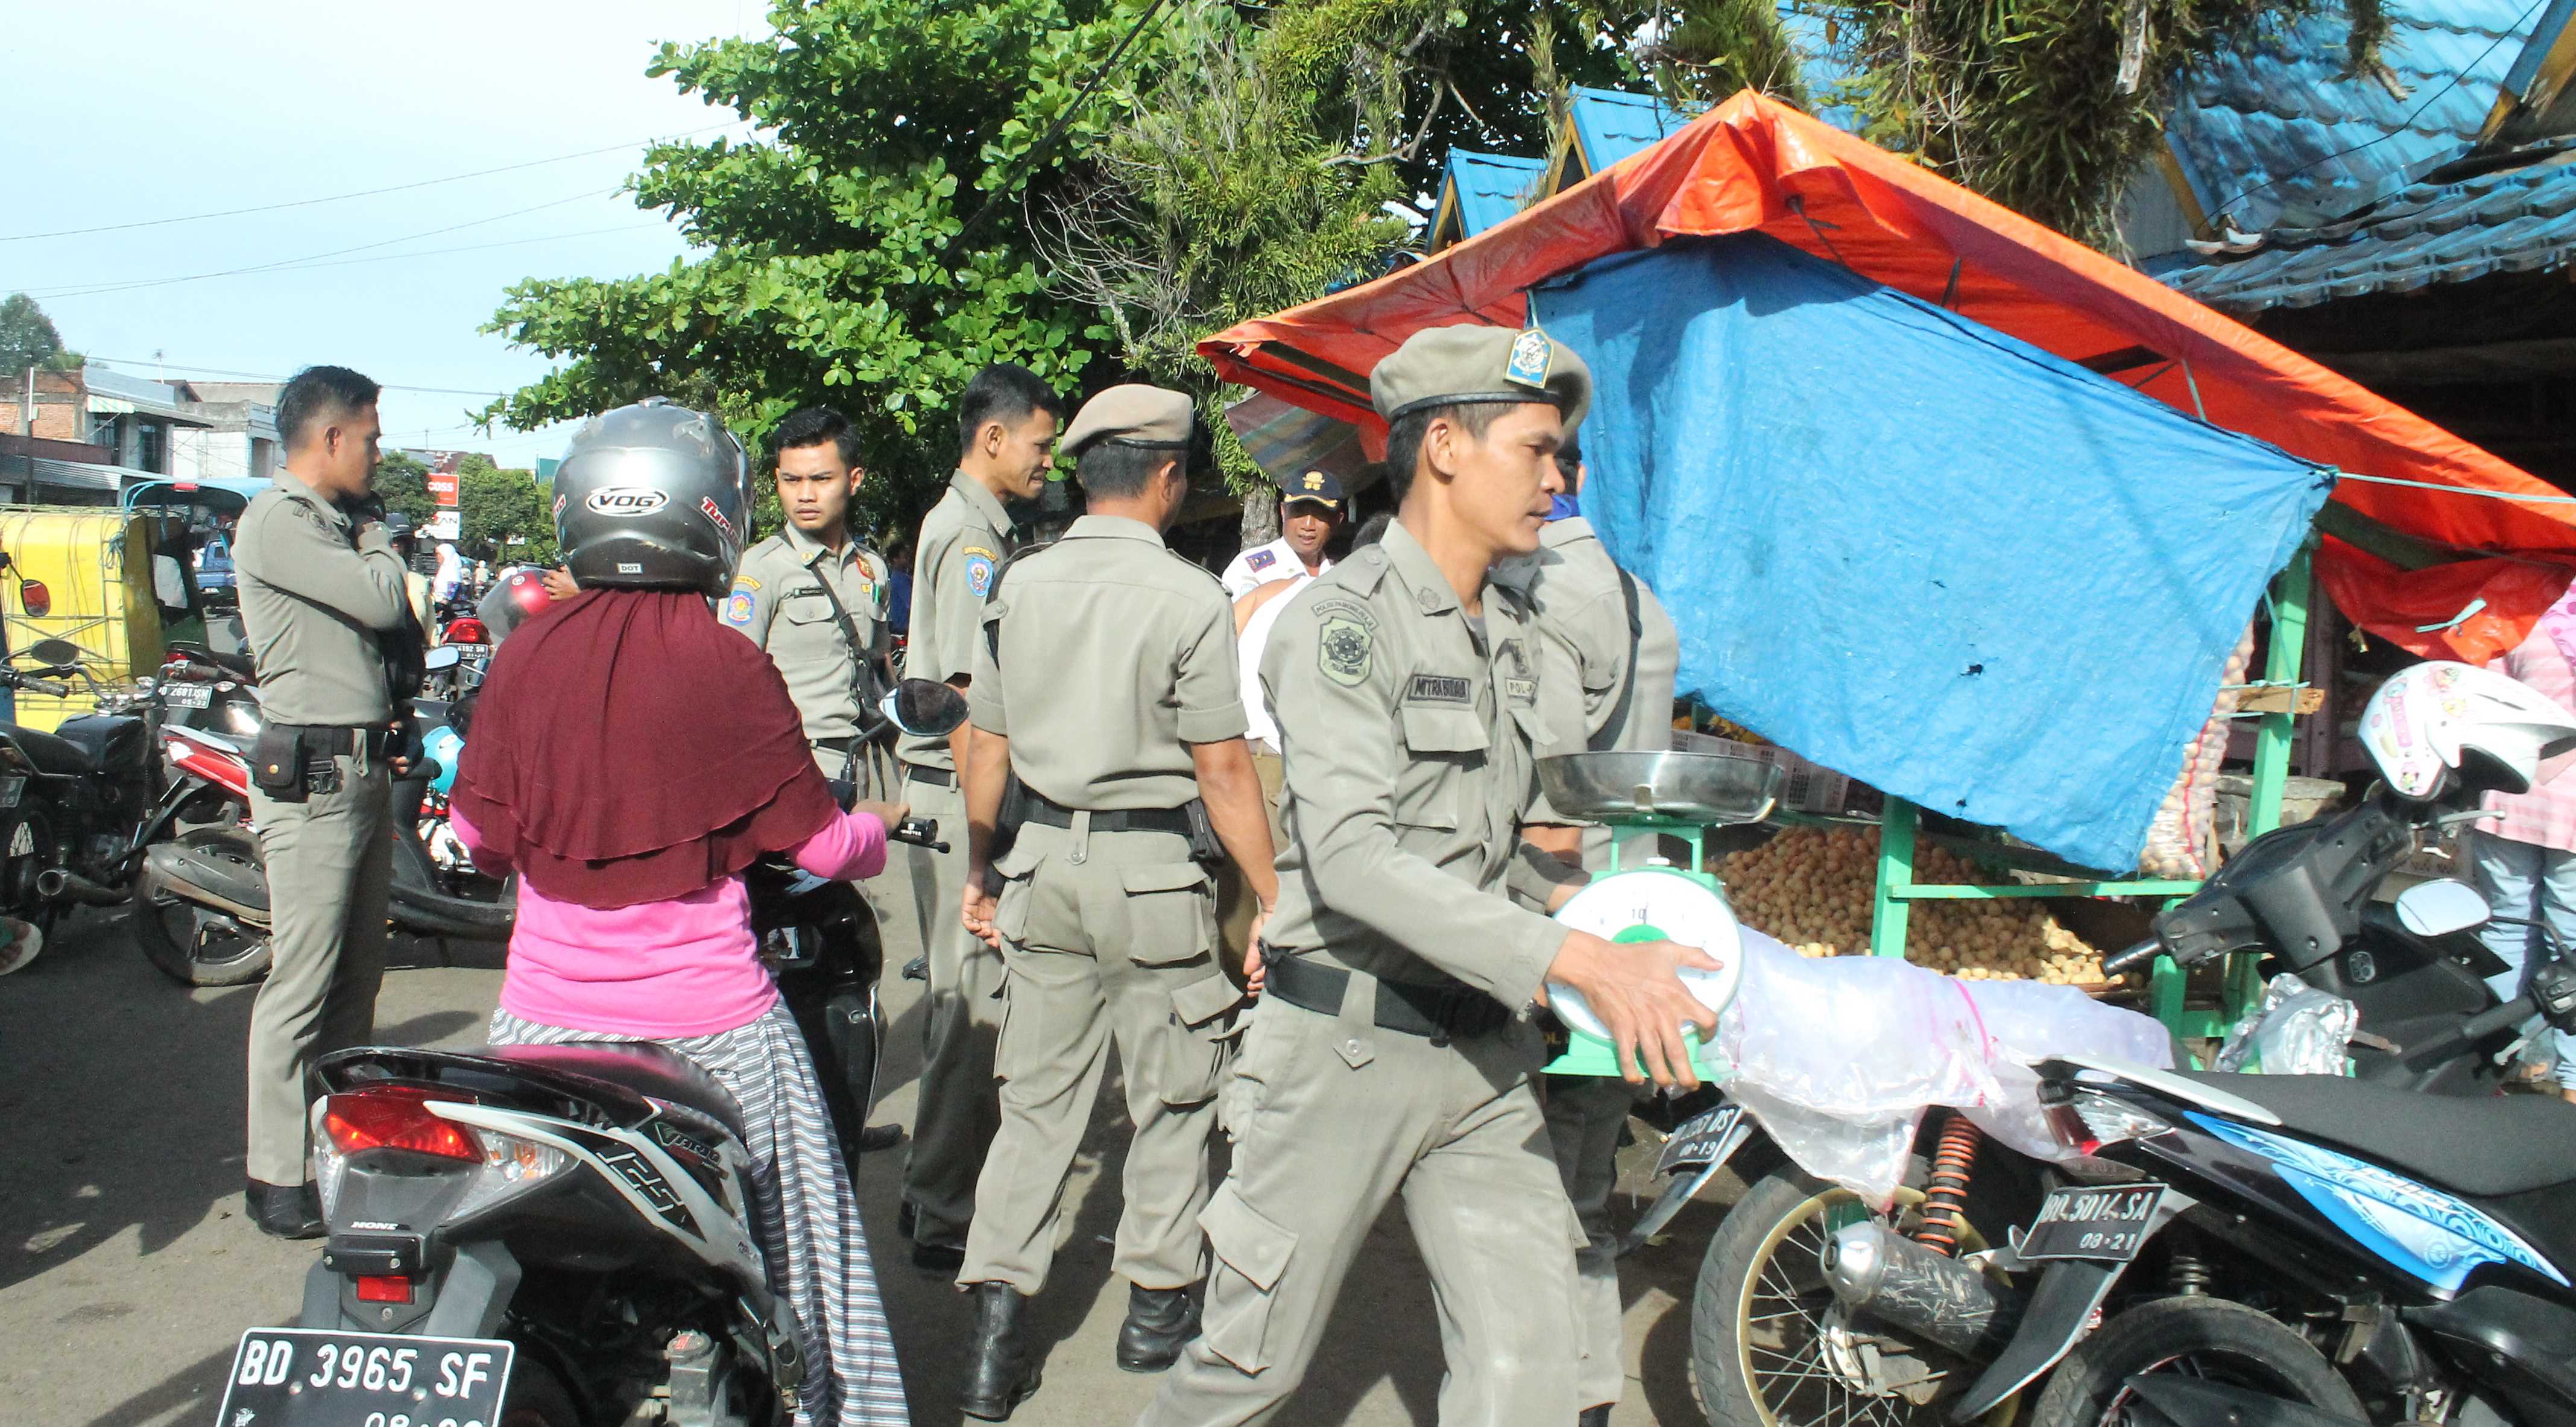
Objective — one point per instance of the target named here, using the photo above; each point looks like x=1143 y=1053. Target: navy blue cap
x=1322 y=487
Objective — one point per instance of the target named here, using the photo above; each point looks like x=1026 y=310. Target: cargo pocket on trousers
x=1171 y=913
x=1202 y=1045
x=1251 y=1253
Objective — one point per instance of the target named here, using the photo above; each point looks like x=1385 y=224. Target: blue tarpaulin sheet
x=1917 y=550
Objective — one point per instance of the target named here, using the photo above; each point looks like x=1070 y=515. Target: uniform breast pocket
x=1442 y=742
x=805 y=607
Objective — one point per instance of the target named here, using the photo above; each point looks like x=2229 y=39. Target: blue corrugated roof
x=2281 y=121
x=1611 y=124
x=1489 y=188
x=2514 y=220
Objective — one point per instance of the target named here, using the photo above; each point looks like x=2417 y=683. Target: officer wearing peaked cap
x=1310 y=510
x=1105 y=681
x=1393 y=1050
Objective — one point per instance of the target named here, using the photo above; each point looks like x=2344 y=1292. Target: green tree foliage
x=27 y=335
x=496 y=507
x=402 y=482
x=831 y=263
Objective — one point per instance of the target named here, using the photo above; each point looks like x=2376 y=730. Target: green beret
x=1454 y=366
x=1134 y=415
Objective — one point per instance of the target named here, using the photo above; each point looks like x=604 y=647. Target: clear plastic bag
x=1838 y=1057
x=2297 y=1030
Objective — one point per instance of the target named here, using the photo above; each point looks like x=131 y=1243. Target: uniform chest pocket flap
x=805 y=606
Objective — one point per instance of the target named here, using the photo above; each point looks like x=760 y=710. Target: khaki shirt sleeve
x=751 y=606
x=1343 y=762
x=295 y=550
x=984 y=702
x=1211 y=683
x=964 y=573
x=1581 y=660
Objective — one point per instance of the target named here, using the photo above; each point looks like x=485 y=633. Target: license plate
x=1701 y=1139
x=307 y=1377
x=187 y=696
x=2106 y=1223
x=12 y=788
x=466 y=652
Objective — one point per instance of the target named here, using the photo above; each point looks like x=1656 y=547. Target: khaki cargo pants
x=1585 y=1114
x=330 y=875
x=1107 y=935
x=956 y=1114
x=1332 y=1117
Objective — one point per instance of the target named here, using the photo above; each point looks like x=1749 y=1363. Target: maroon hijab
x=627 y=748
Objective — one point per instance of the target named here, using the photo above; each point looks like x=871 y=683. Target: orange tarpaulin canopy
x=1754 y=164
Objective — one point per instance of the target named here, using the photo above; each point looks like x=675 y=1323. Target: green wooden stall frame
x=1900 y=829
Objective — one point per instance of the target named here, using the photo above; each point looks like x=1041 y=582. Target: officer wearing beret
x=321 y=591
x=1106 y=683
x=1310 y=510
x=1007 y=419
x=1607 y=656
x=1393 y=1050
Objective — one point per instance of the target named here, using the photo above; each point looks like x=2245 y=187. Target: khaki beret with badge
x=1460 y=366
x=1132 y=415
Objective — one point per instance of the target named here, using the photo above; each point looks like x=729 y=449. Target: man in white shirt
x=1310 y=509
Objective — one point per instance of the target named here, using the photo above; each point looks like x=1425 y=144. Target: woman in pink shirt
x=630 y=756
x=2524 y=856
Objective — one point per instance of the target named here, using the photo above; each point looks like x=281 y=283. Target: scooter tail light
x=510 y=1164
x=397 y=1118
x=384 y=1288
x=2088 y=1122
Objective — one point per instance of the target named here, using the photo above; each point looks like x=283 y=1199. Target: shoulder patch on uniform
x=1260 y=560
x=1440 y=689
x=745 y=582
x=979 y=570
x=1346 y=633
x=737 y=610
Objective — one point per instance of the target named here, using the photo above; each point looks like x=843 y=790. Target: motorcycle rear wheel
x=195 y=945
x=2206 y=1338
x=536 y=1398
x=1758 y=1315
x=27 y=849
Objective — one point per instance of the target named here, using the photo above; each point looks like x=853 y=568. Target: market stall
x=1946 y=501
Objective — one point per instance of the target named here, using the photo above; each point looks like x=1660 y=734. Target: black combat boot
x=1160 y=1322
x=1003 y=1371
x=284 y=1211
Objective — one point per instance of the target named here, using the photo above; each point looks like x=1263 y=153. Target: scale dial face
x=1654 y=905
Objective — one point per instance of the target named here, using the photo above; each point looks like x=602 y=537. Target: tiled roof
x=1611 y=124
x=2279 y=135
x=1491 y=187
x=2520 y=219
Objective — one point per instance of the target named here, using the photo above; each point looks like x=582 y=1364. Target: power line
x=2447 y=86
x=1055 y=131
x=364 y=193
x=400 y=257
x=91 y=289
x=267 y=377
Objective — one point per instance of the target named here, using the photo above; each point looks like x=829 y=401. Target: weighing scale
x=1644 y=792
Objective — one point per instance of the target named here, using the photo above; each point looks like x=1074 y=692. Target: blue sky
x=144 y=109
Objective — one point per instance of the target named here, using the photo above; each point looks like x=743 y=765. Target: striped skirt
x=808 y=1215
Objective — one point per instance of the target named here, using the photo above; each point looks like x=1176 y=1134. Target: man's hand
x=978 y=908
x=559 y=584
x=887 y=813
x=1632 y=987
x=1255 y=974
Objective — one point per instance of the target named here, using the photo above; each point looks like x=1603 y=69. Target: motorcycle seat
x=2484 y=1146
x=646 y=1069
x=53 y=755
x=237 y=665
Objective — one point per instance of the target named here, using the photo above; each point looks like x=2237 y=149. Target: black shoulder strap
x=859 y=667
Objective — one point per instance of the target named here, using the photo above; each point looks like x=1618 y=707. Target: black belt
x=1415 y=1010
x=337 y=740
x=935 y=777
x=1171 y=820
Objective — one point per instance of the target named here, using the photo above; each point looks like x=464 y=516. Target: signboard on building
x=448 y=525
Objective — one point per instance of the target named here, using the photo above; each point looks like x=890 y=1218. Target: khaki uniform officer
x=1393 y=1050
x=1007 y=420
x=317 y=588
x=1107 y=683
x=1608 y=653
x=780 y=599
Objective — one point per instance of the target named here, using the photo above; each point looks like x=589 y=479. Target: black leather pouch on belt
x=277 y=762
x=1205 y=848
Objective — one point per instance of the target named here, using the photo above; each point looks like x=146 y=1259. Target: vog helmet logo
x=625 y=500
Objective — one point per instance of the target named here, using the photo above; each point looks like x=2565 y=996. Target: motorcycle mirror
x=2441 y=907
x=35 y=599
x=55 y=651
x=443 y=657
x=924 y=707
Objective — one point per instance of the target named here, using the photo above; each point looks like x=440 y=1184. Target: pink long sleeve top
x=660 y=970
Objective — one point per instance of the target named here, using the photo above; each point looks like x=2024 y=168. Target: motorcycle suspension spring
x=2187 y=1276
x=1945 y=1203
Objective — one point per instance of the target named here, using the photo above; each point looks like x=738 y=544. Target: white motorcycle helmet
x=2442 y=725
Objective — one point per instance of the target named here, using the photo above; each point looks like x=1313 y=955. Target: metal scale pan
x=1706 y=789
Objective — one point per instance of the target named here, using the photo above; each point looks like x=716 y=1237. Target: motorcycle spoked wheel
x=1758 y=1311
x=196 y=945
x=2211 y=1339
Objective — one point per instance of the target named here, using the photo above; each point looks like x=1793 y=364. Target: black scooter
x=544 y=1236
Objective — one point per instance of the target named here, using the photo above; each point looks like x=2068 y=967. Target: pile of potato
x=1812 y=888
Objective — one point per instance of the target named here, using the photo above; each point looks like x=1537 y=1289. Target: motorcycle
x=200 y=897
x=2305 y=1250
x=71 y=800
x=542 y=1236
